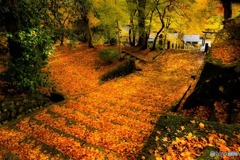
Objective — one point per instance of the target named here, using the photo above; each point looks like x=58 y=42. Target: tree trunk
x=62 y=28
x=149 y=29
x=227 y=5
x=89 y=33
x=132 y=33
x=12 y=25
x=161 y=17
x=146 y=40
x=62 y=38
x=134 y=40
x=141 y=23
x=118 y=30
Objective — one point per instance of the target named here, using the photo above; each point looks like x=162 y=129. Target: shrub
x=109 y=55
x=25 y=70
x=113 y=41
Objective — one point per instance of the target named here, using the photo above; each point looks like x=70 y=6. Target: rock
x=124 y=69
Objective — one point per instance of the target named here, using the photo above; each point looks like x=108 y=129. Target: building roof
x=191 y=37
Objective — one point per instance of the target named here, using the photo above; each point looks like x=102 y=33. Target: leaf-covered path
x=111 y=121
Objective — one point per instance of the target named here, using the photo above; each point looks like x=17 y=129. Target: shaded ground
x=112 y=121
x=13 y=104
x=217 y=95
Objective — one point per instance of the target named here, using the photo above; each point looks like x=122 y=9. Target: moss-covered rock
x=12 y=107
x=122 y=70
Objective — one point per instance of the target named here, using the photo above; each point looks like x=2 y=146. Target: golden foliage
x=190 y=147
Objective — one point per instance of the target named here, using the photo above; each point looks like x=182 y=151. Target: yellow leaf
x=156 y=138
x=182 y=127
x=193 y=121
x=189 y=136
x=165 y=139
x=186 y=154
x=201 y=125
x=158 y=158
x=180 y=140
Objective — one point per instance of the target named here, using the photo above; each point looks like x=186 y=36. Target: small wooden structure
x=206 y=33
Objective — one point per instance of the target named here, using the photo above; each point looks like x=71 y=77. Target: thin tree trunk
x=134 y=40
x=62 y=38
x=155 y=39
x=146 y=41
x=161 y=17
x=132 y=31
x=131 y=34
x=149 y=29
x=118 y=29
x=62 y=28
x=89 y=33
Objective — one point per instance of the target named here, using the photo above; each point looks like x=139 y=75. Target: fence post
x=168 y=44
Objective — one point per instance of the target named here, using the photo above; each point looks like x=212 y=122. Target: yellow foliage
x=93 y=20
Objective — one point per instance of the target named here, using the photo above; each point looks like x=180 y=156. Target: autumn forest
x=119 y=79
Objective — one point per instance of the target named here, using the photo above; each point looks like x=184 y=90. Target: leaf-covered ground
x=226 y=47
x=109 y=121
